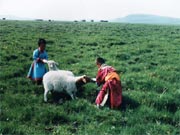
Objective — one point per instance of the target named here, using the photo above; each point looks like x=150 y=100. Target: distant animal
x=60 y=81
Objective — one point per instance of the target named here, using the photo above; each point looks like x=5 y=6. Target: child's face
x=98 y=64
x=42 y=47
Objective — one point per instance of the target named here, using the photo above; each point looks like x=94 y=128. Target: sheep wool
x=63 y=81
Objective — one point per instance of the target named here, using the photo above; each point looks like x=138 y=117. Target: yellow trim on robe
x=112 y=75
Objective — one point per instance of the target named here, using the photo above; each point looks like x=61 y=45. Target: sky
x=88 y=9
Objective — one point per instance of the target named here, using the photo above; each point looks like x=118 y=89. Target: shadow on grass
x=128 y=103
x=59 y=97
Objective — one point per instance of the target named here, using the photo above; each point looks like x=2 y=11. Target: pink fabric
x=102 y=73
x=114 y=87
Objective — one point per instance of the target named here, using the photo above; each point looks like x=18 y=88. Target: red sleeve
x=100 y=78
x=102 y=93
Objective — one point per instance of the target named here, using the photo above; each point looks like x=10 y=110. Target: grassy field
x=147 y=57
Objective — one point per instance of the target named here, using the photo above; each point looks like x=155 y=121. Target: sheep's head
x=52 y=65
x=87 y=79
x=83 y=80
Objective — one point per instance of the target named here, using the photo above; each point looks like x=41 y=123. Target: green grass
x=145 y=56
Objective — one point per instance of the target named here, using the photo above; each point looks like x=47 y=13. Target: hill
x=147 y=19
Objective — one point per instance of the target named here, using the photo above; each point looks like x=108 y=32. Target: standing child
x=38 y=68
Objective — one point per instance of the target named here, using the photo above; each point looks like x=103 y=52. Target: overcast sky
x=87 y=9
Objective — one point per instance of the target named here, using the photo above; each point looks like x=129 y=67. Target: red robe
x=111 y=83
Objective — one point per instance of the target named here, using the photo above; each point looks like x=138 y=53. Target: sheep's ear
x=84 y=80
x=56 y=63
x=94 y=79
x=45 y=61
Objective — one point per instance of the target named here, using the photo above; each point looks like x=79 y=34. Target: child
x=38 y=68
x=108 y=77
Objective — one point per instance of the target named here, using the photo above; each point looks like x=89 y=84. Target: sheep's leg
x=74 y=94
x=45 y=95
x=71 y=94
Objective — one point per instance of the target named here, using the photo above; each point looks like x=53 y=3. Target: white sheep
x=60 y=81
x=52 y=65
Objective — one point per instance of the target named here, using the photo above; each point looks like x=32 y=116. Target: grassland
x=147 y=57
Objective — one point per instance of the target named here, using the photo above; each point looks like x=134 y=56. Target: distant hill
x=147 y=19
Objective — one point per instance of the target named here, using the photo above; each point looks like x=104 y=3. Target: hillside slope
x=147 y=19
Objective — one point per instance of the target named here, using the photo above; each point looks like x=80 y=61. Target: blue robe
x=38 y=68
